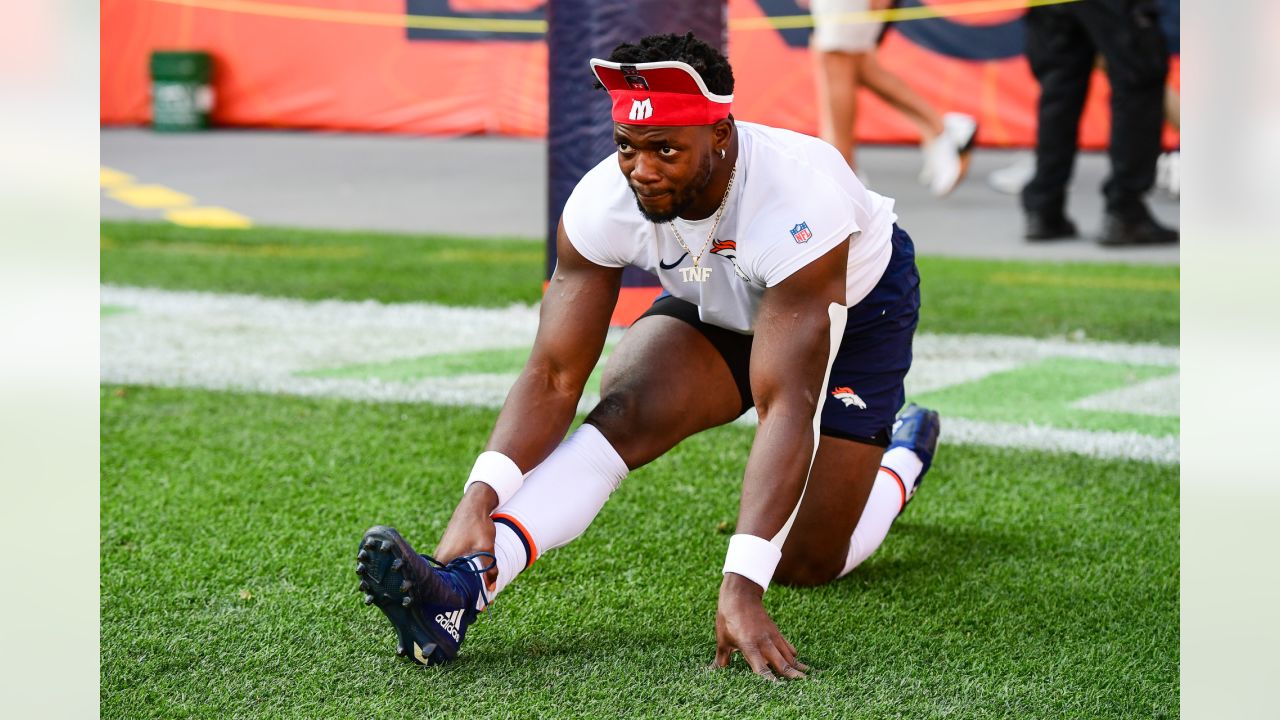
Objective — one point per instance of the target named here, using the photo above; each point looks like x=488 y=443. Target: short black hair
x=709 y=62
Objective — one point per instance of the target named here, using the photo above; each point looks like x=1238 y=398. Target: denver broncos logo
x=847 y=396
x=729 y=249
x=720 y=246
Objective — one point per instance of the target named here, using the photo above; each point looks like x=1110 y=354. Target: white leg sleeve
x=894 y=485
x=881 y=509
x=557 y=501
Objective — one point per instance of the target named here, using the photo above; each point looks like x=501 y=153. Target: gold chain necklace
x=695 y=273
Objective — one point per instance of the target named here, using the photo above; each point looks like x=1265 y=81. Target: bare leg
x=1173 y=108
x=895 y=91
x=837 y=74
x=664 y=383
x=834 y=497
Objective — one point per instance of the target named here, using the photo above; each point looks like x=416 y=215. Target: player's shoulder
x=600 y=218
x=788 y=147
x=603 y=182
x=601 y=196
x=790 y=167
x=791 y=172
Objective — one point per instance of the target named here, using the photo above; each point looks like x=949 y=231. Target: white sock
x=893 y=486
x=556 y=503
x=907 y=465
x=510 y=554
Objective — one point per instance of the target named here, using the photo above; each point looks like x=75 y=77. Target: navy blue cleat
x=430 y=604
x=917 y=430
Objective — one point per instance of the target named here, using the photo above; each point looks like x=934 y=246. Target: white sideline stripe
x=944 y=360
x=1159 y=396
x=1093 y=443
x=1104 y=444
x=1027 y=349
x=251 y=343
x=257 y=344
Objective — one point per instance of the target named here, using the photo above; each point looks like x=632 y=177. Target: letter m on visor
x=678 y=89
x=641 y=109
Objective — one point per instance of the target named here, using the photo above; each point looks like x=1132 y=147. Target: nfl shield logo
x=801 y=232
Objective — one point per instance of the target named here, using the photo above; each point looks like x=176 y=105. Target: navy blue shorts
x=866 y=387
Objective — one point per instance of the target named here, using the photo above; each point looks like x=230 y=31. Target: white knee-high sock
x=894 y=485
x=556 y=503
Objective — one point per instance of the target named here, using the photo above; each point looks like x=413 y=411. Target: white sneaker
x=961 y=128
x=941 y=165
x=1168 y=176
x=1010 y=180
x=946 y=157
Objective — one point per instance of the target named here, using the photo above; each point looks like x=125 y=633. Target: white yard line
x=1094 y=443
x=1158 y=396
x=248 y=339
x=251 y=343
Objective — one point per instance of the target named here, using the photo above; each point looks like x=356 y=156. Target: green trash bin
x=181 y=93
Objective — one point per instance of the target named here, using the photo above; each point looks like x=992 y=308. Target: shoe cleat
x=917 y=430
x=430 y=604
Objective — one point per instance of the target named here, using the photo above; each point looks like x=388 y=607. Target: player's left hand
x=742 y=625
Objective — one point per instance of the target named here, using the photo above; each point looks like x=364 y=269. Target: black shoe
x=1117 y=231
x=917 y=429
x=1048 y=226
x=429 y=603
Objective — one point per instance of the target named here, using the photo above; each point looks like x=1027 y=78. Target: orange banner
x=453 y=67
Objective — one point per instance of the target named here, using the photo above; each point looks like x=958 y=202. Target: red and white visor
x=660 y=93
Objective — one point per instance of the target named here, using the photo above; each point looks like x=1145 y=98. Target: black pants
x=1062 y=44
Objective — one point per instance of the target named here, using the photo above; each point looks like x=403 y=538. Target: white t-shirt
x=793 y=199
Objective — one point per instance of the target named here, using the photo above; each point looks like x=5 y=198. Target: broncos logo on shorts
x=729 y=249
x=847 y=396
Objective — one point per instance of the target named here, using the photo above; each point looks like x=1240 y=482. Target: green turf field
x=1131 y=303
x=1020 y=583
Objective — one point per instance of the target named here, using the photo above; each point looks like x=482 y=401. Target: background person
x=1062 y=44
x=846 y=60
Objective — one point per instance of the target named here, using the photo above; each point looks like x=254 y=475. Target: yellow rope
x=360 y=17
x=923 y=12
x=539 y=27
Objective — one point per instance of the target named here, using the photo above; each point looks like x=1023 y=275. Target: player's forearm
x=789 y=362
x=533 y=420
x=771 y=490
x=776 y=469
x=536 y=415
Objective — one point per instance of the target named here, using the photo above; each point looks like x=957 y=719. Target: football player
x=789 y=288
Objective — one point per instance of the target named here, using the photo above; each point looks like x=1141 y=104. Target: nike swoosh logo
x=665 y=266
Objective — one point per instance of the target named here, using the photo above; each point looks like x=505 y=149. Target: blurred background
x=386 y=114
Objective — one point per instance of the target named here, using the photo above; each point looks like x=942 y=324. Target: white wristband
x=498 y=472
x=754 y=558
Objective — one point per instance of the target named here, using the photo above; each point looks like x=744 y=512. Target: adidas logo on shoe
x=451 y=622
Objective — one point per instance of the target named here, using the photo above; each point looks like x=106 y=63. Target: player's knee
x=615 y=411
x=807 y=572
x=617 y=417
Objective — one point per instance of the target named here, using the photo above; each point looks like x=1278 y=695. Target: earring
x=721 y=153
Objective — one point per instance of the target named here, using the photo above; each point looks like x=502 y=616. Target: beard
x=680 y=200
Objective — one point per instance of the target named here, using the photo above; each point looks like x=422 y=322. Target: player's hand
x=878 y=5
x=742 y=625
x=471 y=529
